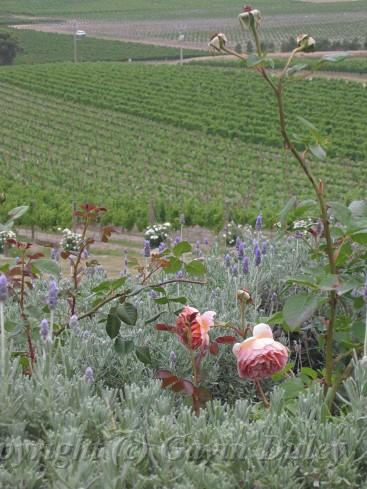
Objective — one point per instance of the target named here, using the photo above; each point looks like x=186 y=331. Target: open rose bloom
x=260 y=356
x=192 y=327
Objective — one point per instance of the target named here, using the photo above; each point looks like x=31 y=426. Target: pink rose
x=260 y=356
x=193 y=327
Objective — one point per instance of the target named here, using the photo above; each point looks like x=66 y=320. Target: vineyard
x=42 y=47
x=101 y=131
x=144 y=9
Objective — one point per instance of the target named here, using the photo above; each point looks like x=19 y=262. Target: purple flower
x=53 y=292
x=3 y=288
x=227 y=260
x=73 y=322
x=245 y=265
x=146 y=248
x=257 y=254
x=264 y=248
x=241 y=250
x=88 y=376
x=197 y=245
x=319 y=227
x=176 y=240
x=234 y=270
x=259 y=222
x=173 y=359
x=238 y=242
x=153 y=294
x=180 y=274
x=206 y=242
x=161 y=247
x=45 y=331
x=55 y=255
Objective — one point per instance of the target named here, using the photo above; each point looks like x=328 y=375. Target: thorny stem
x=123 y=295
x=195 y=375
x=319 y=191
x=262 y=394
x=2 y=326
x=31 y=351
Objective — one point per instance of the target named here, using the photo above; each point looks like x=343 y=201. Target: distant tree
x=250 y=46
x=289 y=45
x=323 y=45
x=9 y=48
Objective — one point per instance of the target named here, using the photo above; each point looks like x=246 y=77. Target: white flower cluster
x=157 y=233
x=4 y=236
x=71 y=241
x=303 y=223
x=231 y=232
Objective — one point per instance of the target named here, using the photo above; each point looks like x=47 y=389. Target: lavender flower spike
x=3 y=288
x=88 y=376
x=45 y=331
x=146 y=248
x=245 y=265
x=257 y=254
x=53 y=292
x=259 y=222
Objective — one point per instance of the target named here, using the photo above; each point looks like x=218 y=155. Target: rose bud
x=250 y=18
x=217 y=42
x=243 y=295
x=306 y=42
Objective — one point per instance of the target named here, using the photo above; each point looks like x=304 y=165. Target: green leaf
x=358 y=209
x=298 y=309
x=168 y=300
x=335 y=58
x=17 y=212
x=318 y=151
x=345 y=252
x=47 y=266
x=143 y=354
x=308 y=124
x=10 y=325
x=195 y=267
x=253 y=60
x=360 y=237
x=289 y=206
x=113 y=325
x=127 y=313
x=174 y=265
x=123 y=347
x=310 y=372
x=276 y=318
x=181 y=248
x=109 y=285
x=295 y=69
x=340 y=212
x=154 y=318
x=292 y=388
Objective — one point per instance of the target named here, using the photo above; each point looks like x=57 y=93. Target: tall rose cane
x=251 y=19
x=3 y=297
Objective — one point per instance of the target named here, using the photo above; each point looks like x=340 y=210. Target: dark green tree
x=9 y=48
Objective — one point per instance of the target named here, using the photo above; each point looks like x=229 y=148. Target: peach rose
x=260 y=356
x=193 y=327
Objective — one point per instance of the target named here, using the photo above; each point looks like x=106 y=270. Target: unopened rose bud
x=306 y=42
x=217 y=42
x=244 y=296
x=250 y=18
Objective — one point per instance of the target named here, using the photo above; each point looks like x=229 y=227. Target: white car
x=80 y=33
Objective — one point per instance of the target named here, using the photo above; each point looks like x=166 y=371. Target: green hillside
x=165 y=9
x=169 y=137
